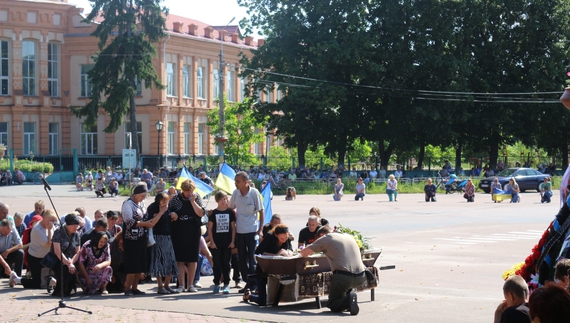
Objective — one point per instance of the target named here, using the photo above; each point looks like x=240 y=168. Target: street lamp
x=159 y=124
x=221 y=138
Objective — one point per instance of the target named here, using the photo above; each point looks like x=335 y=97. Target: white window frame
x=128 y=130
x=84 y=79
x=187 y=137
x=200 y=83
x=4 y=133
x=88 y=140
x=4 y=67
x=230 y=86
x=187 y=81
x=53 y=69
x=29 y=144
x=216 y=85
x=171 y=137
x=201 y=128
x=171 y=79
x=29 y=82
x=242 y=88
x=53 y=138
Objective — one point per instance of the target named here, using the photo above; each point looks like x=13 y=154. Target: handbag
x=151 y=241
x=50 y=260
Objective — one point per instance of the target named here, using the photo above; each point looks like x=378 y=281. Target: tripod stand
x=61 y=303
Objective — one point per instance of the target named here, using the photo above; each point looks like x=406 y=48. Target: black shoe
x=137 y=292
x=353 y=304
x=241 y=291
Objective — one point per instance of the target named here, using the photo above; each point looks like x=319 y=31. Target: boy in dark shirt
x=222 y=233
x=514 y=309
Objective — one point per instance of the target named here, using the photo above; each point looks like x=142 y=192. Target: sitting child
x=515 y=306
x=291 y=194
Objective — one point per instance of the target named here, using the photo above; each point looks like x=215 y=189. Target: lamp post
x=159 y=124
x=221 y=138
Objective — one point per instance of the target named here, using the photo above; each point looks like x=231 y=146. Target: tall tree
x=123 y=60
x=242 y=128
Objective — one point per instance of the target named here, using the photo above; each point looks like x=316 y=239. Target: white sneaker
x=192 y=289
x=197 y=285
x=13 y=278
x=179 y=289
x=52 y=282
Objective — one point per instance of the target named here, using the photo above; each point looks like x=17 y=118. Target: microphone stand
x=61 y=303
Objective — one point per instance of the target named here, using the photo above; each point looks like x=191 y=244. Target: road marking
x=495 y=237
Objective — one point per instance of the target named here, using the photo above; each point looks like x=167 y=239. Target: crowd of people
x=114 y=251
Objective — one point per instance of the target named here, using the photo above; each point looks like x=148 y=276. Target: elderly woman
x=41 y=238
x=66 y=244
x=469 y=191
x=162 y=259
x=514 y=188
x=135 y=238
x=276 y=243
x=392 y=188
x=95 y=264
x=186 y=210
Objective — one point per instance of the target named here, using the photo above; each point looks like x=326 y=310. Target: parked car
x=527 y=178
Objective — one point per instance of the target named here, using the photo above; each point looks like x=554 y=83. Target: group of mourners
x=118 y=249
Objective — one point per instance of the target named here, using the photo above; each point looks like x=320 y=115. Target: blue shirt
x=12 y=239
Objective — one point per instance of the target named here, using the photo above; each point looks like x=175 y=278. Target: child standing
x=222 y=233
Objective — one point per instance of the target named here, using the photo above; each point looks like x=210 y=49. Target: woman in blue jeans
x=360 y=190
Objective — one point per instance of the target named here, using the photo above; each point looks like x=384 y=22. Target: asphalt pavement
x=449 y=257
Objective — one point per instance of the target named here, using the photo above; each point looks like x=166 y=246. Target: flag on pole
x=202 y=188
x=266 y=200
x=225 y=180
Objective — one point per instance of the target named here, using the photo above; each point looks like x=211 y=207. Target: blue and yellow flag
x=266 y=200
x=202 y=188
x=226 y=179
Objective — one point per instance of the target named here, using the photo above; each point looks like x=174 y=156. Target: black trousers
x=246 y=253
x=16 y=258
x=36 y=269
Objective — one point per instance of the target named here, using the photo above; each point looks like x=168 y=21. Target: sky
x=212 y=12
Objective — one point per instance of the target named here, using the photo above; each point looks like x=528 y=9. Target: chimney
x=260 y=42
x=193 y=29
x=222 y=35
x=177 y=26
x=235 y=38
x=248 y=40
x=209 y=32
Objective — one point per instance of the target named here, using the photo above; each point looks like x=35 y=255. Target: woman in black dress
x=135 y=238
x=186 y=210
x=66 y=245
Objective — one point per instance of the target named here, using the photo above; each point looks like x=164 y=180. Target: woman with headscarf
x=135 y=238
x=66 y=244
x=186 y=210
x=95 y=264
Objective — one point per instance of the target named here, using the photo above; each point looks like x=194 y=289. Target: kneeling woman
x=95 y=264
x=276 y=243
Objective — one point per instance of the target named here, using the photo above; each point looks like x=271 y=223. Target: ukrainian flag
x=202 y=188
x=266 y=200
x=225 y=180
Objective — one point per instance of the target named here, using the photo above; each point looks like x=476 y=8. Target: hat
x=71 y=219
x=140 y=188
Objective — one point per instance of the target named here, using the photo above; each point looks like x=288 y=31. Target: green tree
x=123 y=60
x=242 y=128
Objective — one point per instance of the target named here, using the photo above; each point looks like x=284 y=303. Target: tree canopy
x=403 y=75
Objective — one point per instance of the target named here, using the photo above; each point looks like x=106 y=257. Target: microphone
x=46 y=185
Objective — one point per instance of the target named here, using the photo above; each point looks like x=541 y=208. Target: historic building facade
x=45 y=53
